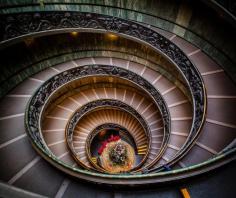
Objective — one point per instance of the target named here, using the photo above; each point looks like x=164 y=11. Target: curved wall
x=22 y=60
x=191 y=20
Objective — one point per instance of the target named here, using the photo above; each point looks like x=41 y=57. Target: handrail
x=151 y=38
x=103 y=103
x=92 y=22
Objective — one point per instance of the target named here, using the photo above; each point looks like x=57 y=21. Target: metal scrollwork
x=38 y=101
x=111 y=126
x=104 y=103
x=16 y=25
x=98 y=104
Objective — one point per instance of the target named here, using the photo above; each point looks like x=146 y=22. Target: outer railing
x=22 y=24
x=39 y=22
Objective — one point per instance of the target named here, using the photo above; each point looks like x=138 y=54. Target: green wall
x=191 y=20
x=22 y=60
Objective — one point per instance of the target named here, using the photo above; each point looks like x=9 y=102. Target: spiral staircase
x=71 y=79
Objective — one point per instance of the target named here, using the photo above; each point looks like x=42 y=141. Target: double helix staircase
x=164 y=135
